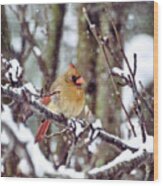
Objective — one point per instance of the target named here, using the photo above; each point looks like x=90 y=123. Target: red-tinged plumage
x=42 y=130
x=69 y=100
x=46 y=100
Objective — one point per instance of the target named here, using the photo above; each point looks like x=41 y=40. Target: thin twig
x=57 y=133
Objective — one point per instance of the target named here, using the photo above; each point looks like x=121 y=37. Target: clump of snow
x=119 y=72
x=70 y=172
x=93 y=133
x=15 y=70
x=31 y=88
x=93 y=147
x=105 y=38
x=134 y=142
x=133 y=172
x=24 y=167
x=37 y=51
x=79 y=129
x=97 y=125
x=137 y=142
x=4 y=60
x=149 y=144
x=4 y=138
x=131 y=17
x=77 y=125
x=92 y=26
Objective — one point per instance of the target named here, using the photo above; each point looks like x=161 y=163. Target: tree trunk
x=87 y=55
x=6 y=49
x=54 y=39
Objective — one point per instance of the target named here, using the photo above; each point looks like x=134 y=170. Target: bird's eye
x=74 y=78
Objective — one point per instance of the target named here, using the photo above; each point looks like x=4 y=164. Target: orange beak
x=80 y=81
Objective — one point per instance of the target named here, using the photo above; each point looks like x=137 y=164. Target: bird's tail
x=42 y=130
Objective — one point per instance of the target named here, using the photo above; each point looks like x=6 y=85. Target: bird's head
x=73 y=76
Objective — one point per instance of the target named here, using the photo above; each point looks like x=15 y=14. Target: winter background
x=59 y=35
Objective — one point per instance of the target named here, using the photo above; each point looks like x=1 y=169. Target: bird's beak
x=80 y=81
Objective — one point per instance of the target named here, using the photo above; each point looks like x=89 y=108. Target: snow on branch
x=37 y=163
x=119 y=143
x=130 y=158
x=18 y=95
x=124 y=163
x=14 y=72
x=76 y=125
x=34 y=163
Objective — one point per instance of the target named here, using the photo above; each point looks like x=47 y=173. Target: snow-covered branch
x=17 y=94
x=119 y=143
x=34 y=162
x=95 y=129
x=124 y=163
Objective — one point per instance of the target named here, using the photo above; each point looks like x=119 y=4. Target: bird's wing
x=42 y=130
x=56 y=84
x=53 y=94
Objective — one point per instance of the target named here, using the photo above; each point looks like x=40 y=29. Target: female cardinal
x=67 y=98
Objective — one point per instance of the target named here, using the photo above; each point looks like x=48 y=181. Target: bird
x=67 y=97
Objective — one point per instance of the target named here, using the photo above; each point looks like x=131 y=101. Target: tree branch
x=61 y=119
x=114 y=169
x=115 y=141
